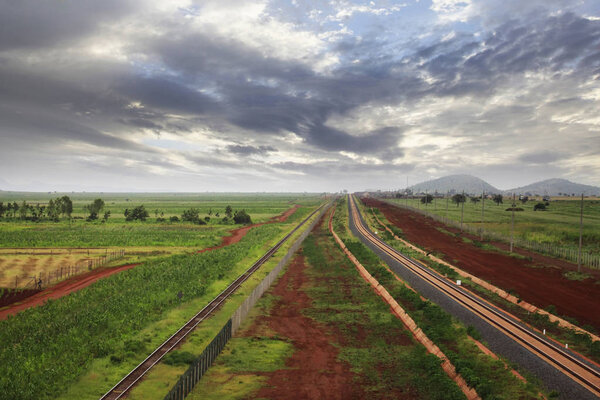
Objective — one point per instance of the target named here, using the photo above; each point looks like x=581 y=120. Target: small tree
x=475 y=200
x=540 y=207
x=497 y=199
x=2 y=209
x=23 y=210
x=138 y=213
x=65 y=205
x=459 y=198
x=94 y=209
x=192 y=215
x=427 y=199
x=241 y=217
x=228 y=211
x=106 y=216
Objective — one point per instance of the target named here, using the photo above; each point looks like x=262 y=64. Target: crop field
x=558 y=224
x=100 y=322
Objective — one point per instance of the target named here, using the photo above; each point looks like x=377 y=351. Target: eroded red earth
x=79 y=282
x=539 y=281
x=313 y=371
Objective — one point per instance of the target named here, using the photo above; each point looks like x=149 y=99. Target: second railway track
x=579 y=371
x=121 y=389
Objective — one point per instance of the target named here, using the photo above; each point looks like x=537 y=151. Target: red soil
x=36 y=298
x=63 y=288
x=313 y=371
x=12 y=297
x=239 y=233
x=539 y=281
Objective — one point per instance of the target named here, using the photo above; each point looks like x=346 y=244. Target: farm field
x=557 y=225
x=97 y=322
x=321 y=332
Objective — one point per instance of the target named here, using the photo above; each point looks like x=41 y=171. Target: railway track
x=583 y=373
x=121 y=389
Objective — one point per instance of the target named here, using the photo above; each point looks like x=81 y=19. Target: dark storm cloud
x=35 y=24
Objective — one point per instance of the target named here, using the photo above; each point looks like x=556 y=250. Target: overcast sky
x=179 y=95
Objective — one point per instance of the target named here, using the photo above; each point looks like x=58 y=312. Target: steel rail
x=124 y=385
x=562 y=360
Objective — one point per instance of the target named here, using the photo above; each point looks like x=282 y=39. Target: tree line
x=63 y=207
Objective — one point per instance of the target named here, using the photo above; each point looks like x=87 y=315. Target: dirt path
x=63 y=288
x=79 y=282
x=539 y=281
x=313 y=371
x=239 y=233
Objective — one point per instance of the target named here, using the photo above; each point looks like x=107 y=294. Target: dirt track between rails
x=538 y=281
x=79 y=282
x=313 y=371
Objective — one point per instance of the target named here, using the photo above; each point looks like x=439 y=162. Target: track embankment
x=576 y=299
x=399 y=312
x=492 y=288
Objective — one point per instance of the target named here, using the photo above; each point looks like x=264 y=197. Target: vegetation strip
x=121 y=388
x=448 y=367
x=502 y=293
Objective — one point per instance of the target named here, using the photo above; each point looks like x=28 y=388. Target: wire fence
x=190 y=378
x=567 y=253
x=45 y=278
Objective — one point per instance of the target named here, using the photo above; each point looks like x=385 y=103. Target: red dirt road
x=81 y=281
x=313 y=371
x=239 y=233
x=63 y=288
x=539 y=281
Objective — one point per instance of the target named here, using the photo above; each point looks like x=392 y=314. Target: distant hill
x=455 y=184
x=556 y=187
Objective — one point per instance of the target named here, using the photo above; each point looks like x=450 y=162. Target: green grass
x=558 y=225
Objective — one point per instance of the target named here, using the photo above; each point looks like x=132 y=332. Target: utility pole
x=580 y=235
x=512 y=224
x=462 y=210
x=447 y=198
x=406 y=191
x=426 y=197
x=482 y=208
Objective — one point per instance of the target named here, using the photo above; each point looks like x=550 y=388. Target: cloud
x=250 y=150
x=542 y=157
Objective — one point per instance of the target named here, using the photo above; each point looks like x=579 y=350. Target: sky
x=228 y=95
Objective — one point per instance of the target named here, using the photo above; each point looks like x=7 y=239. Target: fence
x=591 y=260
x=47 y=277
x=188 y=380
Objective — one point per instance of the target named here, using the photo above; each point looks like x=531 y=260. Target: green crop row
x=46 y=348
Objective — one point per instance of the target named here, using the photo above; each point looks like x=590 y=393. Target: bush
x=192 y=215
x=540 y=207
x=179 y=358
x=138 y=213
x=174 y=218
x=241 y=217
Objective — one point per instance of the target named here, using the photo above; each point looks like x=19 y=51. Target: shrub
x=241 y=217
x=138 y=213
x=540 y=207
x=174 y=218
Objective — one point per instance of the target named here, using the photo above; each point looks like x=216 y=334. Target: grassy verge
x=488 y=376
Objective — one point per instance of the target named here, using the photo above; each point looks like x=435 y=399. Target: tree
x=459 y=198
x=23 y=210
x=241 y=217
x=475 y=200
x=66 y=205
x=228 y=211
x=497 y=199
x=94 y=209
x=138 y=213
x=106 y=216
x=2 y=209
x=52 y=211
x=427 y=199
x=523 y=199
x=540 y=207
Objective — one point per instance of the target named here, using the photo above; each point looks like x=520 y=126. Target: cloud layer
x=269 y=96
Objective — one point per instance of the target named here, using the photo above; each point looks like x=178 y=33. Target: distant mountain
x=556 y=187
x=455 y=184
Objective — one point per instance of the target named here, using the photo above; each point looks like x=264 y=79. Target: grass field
x=558 y=225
